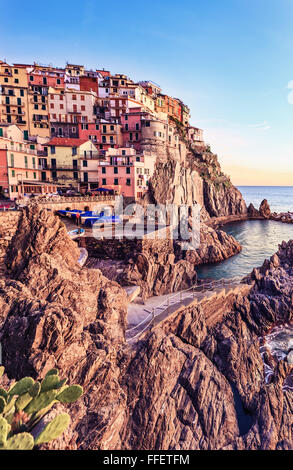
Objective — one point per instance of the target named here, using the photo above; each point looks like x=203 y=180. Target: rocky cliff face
x=196 y=178
x=196 y=381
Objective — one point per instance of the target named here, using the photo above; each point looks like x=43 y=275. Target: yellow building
x=66 y=158
x=20 y=170
x=14 y=95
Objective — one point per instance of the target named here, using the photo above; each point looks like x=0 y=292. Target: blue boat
x=90 y=221
x=76 y=233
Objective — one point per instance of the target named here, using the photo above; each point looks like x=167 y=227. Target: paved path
x=142 y=317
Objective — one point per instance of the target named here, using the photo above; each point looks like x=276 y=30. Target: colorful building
x=126 y=171
x=65 y=159
x=14 y=95
x=20 y=171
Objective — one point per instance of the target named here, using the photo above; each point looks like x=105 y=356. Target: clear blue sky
x=229 y=60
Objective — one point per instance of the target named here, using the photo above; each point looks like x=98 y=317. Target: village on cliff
x=85 y=130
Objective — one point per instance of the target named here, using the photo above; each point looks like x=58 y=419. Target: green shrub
x=24 y=405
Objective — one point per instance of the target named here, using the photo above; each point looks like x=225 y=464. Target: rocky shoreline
x=176 y=388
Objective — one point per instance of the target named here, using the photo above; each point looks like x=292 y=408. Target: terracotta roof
x=63 y=142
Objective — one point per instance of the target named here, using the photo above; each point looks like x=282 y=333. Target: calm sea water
x=259 y=238
x=280 y=198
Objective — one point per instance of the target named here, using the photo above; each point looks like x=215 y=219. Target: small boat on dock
x=78 y=232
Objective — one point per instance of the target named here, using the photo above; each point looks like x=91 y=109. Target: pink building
x=126 y=171
x=90 y=131
x=131 y=127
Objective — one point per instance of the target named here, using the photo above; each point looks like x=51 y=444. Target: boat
x=89 y=221
x=78 y=232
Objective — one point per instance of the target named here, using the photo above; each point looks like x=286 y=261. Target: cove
x=259 y=240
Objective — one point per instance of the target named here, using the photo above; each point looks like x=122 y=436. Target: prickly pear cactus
x=24 y=405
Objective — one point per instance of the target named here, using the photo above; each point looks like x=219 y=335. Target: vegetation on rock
x=24 y=405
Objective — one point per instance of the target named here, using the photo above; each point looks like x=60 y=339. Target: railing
x=60 y=199
x=133 y=333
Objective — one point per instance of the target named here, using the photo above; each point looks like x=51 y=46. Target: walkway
x=143 y=317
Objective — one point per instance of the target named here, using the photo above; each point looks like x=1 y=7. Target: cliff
x=195 y=177
x=195 y=381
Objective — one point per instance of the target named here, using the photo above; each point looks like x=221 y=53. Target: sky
x=231 y=61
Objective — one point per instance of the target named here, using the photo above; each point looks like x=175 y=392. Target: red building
x=89 y=84
x=90 y=131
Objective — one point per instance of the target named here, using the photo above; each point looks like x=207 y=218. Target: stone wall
x=8 y=226
x=124 y=249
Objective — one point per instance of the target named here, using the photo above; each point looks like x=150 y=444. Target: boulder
x=264 y=209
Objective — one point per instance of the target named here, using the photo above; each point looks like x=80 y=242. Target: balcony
x=63 y=167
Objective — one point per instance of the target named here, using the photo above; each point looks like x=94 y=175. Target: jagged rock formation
x=264 y=209
x=163 y=267
x=198 y=178
x=252 y=211
x=184 y=386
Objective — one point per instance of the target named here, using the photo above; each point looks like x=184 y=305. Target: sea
x=259 y=238
x=280 y=198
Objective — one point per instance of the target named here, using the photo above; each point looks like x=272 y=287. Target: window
x=58 y=81
x=7 y=100
x=35 y=175
x=34 y=162
x=128 y=182
x=115 y=170
x=26 y=174
x=116 y=181
x=137 y=126
x=75 y=175
x=54 y=174
x=136 y=136
x=13 y=173
x=103 y=139
x=53 y=149
x=43 y=107
x=97 y=127
x=73 y=130
x=74 y=97
x=44 y=81
x=138 y=159
x=74 y=151
x=12 y=189
x=61 y=106
x=82 y=97
x=123 y=152
x=85 y=126
x=21 y=92
x=36 y=106
x=128 y=170
x=104 y=170
x=147 y=124
x=126 y=127
x=25 y=162
x=52 y=105
x=112 y=128
x=82 y=107
x=104 y=181
x=126 y=118
x=11 y=159
x=16 y=80
x=5 y=79
x=84 y=163
x=130 y=136
x=104 y=129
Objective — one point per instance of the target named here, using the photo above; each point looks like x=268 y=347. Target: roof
x=63 y=142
